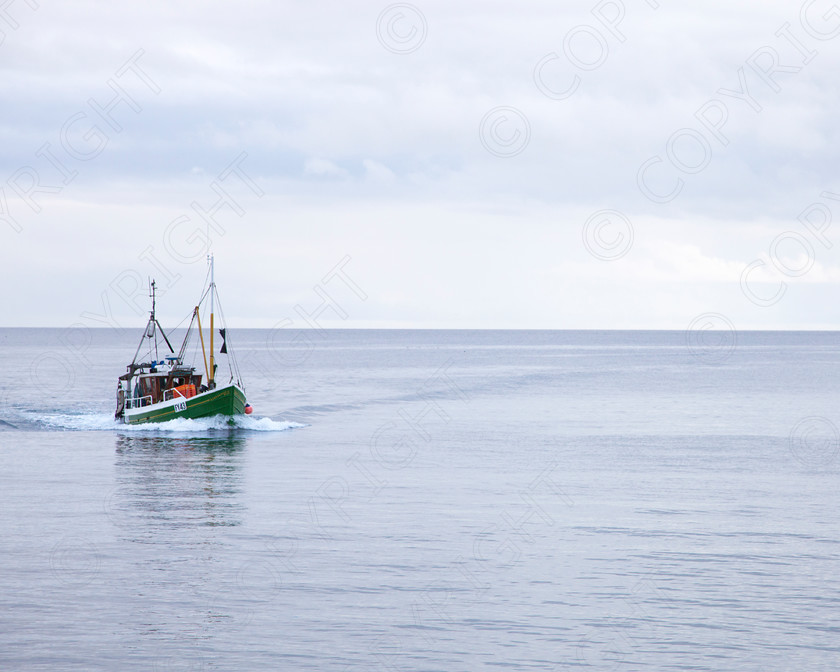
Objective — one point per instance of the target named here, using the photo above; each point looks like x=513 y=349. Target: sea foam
x=105 y=422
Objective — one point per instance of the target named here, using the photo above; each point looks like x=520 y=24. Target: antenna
x=152 y=286
x=151 y=332
x=150 y=329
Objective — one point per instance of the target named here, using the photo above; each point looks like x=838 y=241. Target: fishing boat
x=165 y=388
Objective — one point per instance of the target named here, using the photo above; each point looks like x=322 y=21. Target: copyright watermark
x=504 y=131
x=711 y=338
x=815 y=441
x=401 y=28
x=608 y=235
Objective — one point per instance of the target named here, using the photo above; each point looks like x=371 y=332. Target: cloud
x=323 y=168
x=337 y=129
x=376 y=172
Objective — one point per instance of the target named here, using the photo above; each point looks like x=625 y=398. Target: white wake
x=105 y=422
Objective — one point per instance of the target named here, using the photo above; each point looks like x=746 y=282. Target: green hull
x=228 y=400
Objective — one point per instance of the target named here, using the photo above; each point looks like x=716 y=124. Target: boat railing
x=170 y=394
x=137 y=402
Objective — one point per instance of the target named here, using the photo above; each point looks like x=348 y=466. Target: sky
x=598 y=164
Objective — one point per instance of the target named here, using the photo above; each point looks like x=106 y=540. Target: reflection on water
x=166 y=483
x=174 y=504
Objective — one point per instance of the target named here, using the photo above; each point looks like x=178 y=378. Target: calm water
x=429 y=501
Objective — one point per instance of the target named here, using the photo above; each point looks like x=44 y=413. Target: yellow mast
x=201 y=335
x=212 y=375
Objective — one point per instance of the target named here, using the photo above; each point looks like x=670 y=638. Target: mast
x=150 y=330
x=212 y=373
x=203 y=351
x=153 y=301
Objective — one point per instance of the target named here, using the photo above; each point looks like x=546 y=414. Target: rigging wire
x=233 y=364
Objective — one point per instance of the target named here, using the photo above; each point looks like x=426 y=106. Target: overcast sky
x=579 y=164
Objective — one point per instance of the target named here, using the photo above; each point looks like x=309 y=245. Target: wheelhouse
x=153 y=382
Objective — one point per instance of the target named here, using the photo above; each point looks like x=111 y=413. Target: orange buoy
x=248 y=409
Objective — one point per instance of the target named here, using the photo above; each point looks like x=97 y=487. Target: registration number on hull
x=180 y=406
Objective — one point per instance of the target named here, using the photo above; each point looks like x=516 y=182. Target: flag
x=223 y=349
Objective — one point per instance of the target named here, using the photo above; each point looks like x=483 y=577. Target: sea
x=428 y=500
